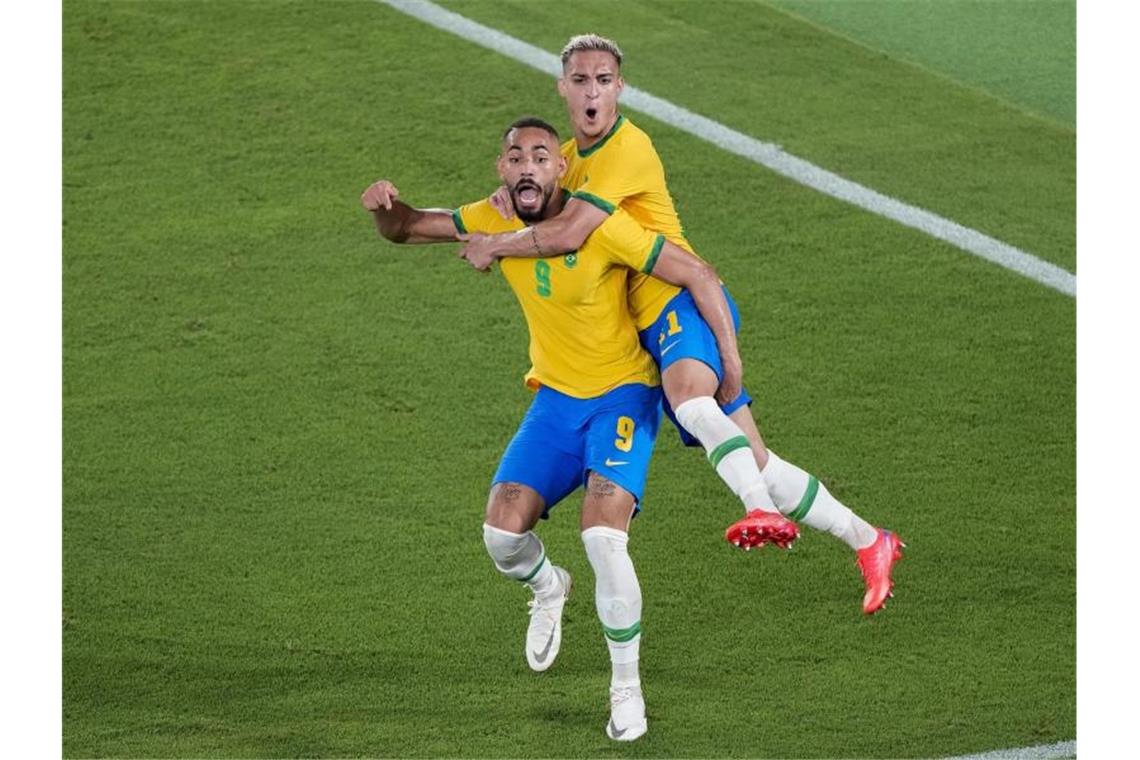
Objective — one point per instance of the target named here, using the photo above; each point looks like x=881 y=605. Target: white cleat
x=627 y=714
x=544 y=634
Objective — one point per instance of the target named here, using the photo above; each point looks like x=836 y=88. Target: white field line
x=1040 y=752
x=766 y=154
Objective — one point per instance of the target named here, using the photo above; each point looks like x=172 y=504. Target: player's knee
x=514 y=554
x=513 y=507
x=688 y=379
x=606 y=503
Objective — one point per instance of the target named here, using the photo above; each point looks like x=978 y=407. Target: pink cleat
x=875 y=562
x=759 y=527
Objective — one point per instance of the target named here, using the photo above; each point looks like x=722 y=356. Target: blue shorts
x=680 y=332
x=562 y=438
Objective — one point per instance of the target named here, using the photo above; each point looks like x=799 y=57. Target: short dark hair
x=532 y=121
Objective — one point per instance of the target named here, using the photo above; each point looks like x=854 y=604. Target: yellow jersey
x=623 y=171
x=583 y=341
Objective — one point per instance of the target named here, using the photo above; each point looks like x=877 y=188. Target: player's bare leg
x=690 y=384
x=606 y=512
x=803 y=498
x=513 y=509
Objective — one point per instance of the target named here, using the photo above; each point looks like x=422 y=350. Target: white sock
x=522 y=556
x=618 y=599
x=804 y=499
x=728 y=450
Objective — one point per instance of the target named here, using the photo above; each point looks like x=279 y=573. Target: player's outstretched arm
x=552 y=237
x=401 y=223
x=677 y=266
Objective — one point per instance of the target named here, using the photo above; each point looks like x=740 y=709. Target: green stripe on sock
x=622 y=634
x=726 y=448
x=805 y=503
x=537 y=567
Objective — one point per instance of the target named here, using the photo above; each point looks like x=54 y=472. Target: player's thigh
x=619 y=445
x=544 y=456
x=685 y=349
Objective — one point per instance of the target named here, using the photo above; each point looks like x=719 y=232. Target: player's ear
x=561 y=166
x=562 y=86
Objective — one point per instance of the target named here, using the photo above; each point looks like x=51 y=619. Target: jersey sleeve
x=637 y=171
x=628 y=243
x=481 y=217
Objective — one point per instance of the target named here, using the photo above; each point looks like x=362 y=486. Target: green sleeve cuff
x=653 y=254
x=594 y=200
x=458 y=219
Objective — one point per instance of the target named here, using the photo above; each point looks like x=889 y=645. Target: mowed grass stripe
x=768 y=155
x=278 y=432
x=1024 y=53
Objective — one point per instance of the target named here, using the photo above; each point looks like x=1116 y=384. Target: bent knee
x=514 y=507
x=687 y=379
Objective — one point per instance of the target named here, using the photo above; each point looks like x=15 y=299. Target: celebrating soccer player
x=594 y=417
x=613 y=165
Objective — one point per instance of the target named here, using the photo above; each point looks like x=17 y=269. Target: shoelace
x=535 y=606
x=620 y=694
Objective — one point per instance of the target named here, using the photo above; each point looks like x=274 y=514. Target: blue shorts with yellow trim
x=562 y=438
x=680 y=332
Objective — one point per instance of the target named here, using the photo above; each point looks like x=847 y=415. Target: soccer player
x=613 y=165
x=594 y=417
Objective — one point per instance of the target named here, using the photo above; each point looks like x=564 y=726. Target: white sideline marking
x=766 y=154
x=1041 y=752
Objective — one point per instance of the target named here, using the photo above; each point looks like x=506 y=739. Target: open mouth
x=591 y=113
x=528 y=193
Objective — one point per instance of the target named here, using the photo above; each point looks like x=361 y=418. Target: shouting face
x=590 y=84
x=530 y=166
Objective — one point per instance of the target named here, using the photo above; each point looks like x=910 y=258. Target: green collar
x=596 y=146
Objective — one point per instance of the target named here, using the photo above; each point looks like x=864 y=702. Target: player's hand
x=380 y=196
x=733 y=382
x=501 y=201
x=479 y=252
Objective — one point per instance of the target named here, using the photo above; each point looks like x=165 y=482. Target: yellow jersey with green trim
x=623 y=170
x=583 y=341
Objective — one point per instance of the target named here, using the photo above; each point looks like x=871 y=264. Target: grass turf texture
x=278 y=432
x=1024 y=51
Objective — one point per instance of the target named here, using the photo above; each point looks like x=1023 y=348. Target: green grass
x=1022 y=51
x=278 y=432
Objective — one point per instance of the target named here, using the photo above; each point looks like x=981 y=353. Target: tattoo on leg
x=511 y=492
x=601 y=485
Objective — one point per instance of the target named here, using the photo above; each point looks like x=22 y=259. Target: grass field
x=278 y=431
x=1022 y=51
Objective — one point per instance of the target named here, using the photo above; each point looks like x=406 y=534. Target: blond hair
x=582 y=42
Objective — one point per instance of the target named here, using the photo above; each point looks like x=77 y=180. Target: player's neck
x=584 y=142
x=555 y=205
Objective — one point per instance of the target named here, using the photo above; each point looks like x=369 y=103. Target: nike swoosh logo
x=614 y=462
x=671 y=345
x=614 y=730
x=540 y=657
